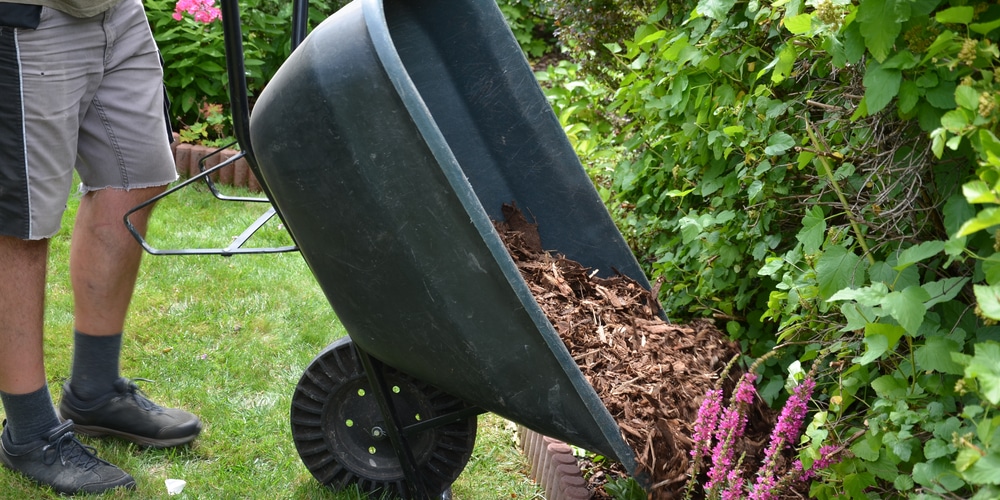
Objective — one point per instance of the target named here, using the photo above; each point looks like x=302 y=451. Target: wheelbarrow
x=387 y=144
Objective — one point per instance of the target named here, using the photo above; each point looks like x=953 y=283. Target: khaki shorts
x=84 y=94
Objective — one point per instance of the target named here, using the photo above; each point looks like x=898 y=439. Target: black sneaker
x=127 y=413
x=63 y=463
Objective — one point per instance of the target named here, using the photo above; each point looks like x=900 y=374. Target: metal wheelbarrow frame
x=386 y=143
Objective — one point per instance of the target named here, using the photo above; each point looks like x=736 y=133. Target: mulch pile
x=650 y=374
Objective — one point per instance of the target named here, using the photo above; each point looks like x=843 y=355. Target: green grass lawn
x=228 y=338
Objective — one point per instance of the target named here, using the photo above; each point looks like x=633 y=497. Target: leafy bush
x=194 y=57
x=823 y=177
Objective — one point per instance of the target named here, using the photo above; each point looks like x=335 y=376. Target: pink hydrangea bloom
x=203 y=11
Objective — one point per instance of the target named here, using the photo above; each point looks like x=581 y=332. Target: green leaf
x=985 y=368
x=879 y=24
x=936 y=448
x=881 y=86
x=875 y=347
x=978 y=191
x=918 y=253
x=867 y=449
x=856 y=484
x=991 y=269
x=985 y=28
x=889 y=387
x=879 y=338
x=813 y=230
x=985 y=219
x=799 y=24
x=935 y=355
x=836 y=269
x=866 y=296
x=909 y=95
x=907 y=307
x=715 y=9
x=955 y=15
x=967 y=97
x=784 y=63
x=939 y=471
x=778 y=143
x=988 y=298
x=944 y=290
x=986 y=470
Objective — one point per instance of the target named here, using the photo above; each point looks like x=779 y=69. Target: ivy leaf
x=907 y=307
x=881 y=86
x=879 y=24
x=985 y=368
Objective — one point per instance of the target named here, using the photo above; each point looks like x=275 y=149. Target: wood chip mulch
x=650 y=374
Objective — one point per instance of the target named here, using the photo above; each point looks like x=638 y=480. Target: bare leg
x=22 y=305
x=104 y=258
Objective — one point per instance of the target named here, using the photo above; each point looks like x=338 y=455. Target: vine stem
x=828 y=171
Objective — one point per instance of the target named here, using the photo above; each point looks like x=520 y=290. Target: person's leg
x=104 y=258
x=124 y=160
x=22 y=295
x=23 y=389
x=42 y=78
x=104 y=264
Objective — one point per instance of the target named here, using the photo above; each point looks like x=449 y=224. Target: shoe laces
x=130 y=388
x=70 y=451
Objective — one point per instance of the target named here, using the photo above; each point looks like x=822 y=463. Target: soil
x=650 y=374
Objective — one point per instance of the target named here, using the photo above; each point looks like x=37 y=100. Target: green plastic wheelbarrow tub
x=389 y=140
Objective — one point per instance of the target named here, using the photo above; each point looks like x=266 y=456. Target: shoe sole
x=96 y=431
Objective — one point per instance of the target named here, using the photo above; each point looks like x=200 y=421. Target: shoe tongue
x=57 y=432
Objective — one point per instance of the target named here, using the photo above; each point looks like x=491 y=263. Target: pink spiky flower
x=785 y=433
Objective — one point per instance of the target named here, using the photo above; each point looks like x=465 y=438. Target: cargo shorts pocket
x=16 y=15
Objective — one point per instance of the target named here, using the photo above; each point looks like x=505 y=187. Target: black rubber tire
x=336 y=426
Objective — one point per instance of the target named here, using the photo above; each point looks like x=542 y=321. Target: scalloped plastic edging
x=187 y=156
x=553 y=466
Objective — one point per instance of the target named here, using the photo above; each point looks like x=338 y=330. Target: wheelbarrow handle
x=234 y=248
x=232 y=32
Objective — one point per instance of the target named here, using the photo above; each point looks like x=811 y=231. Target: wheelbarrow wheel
x=340 y=433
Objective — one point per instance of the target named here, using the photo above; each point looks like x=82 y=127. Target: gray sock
x=95 y=365
x=29 y=416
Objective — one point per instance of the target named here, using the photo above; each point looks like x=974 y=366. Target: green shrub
x=195 y=66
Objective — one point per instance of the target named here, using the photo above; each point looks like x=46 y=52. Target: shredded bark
x=650 y=374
